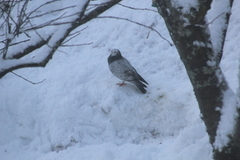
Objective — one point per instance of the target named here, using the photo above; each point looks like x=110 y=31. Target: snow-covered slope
x=79 y=112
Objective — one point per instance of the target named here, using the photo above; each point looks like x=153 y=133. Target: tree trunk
x=190 y=34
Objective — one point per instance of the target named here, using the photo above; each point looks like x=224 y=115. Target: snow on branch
x=43 y=45
x=219 y=17
x=227 y=121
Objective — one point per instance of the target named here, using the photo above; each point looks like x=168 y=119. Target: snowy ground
x=79 y=113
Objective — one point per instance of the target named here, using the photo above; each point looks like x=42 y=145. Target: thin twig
x=46 y=13
x=46 y=3
x=215 y=18
x=140 y=24
x=51 y=22
x=44 y=24
x=144 y=9
x=19 y=42
x=75 y=34
x=150 y=31
x=39 y=35
x=78 y=31
x=27 y=79
x=12 y=44
x=59 y=50
x=72 y=45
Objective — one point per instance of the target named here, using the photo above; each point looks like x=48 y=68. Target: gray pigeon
x=123 y=70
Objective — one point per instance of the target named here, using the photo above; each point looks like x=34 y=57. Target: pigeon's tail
x=140 y=86
x=141 y=79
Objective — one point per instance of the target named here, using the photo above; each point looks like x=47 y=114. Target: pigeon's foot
x=121 y=84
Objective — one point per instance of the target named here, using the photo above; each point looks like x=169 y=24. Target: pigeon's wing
x=123 y=70
x=130 y=75
x=135 y=73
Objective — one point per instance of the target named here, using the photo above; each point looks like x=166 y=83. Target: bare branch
x=21 y=16
x=46 y=13
x=215 y=19
x=74 y=45
x=143 y=9
x=34 y=11
x=16 y=43
x=143 y=25
x=48 y=23
x=30 y=48
x=25 y=79
x=152 y=25
x=75 y=34
x=54 y=41
x=97 y=11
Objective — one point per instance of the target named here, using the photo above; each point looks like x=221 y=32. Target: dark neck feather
x=114 y=58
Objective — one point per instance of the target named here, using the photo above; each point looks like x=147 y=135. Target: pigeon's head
x=115 y=52
x=115 y=55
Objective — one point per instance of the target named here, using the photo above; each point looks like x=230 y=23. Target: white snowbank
x=79 y=113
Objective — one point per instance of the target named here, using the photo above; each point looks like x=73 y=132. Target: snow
x=185 y=5
x=231 y=47
x=79 y=113
x=229 y=113
x=216 y=20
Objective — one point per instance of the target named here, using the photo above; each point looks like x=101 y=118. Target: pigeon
x=123 y=70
